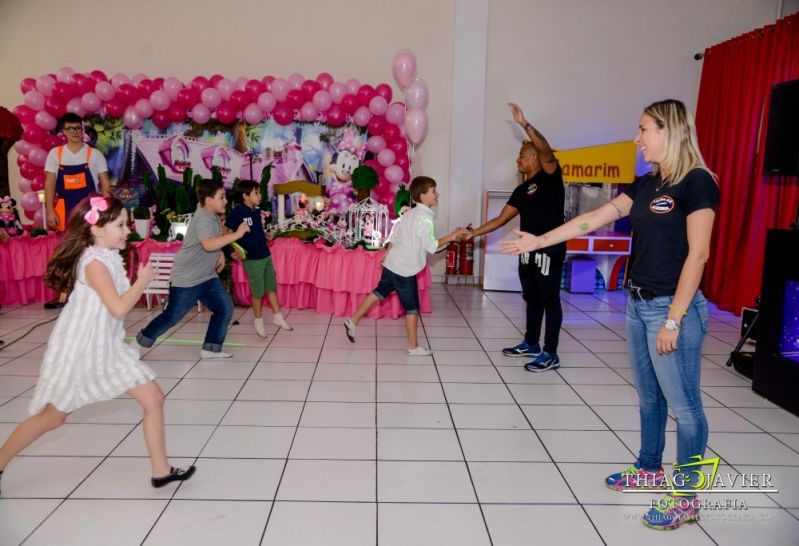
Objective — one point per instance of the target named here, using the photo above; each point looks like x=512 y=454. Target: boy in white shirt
x=412 y=238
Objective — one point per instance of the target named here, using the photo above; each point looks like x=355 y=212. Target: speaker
x=781 y=155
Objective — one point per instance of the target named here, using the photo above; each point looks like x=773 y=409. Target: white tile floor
x=305 y=439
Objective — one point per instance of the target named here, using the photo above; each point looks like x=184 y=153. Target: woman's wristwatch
x=671 y=325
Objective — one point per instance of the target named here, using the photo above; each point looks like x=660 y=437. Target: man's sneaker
x=419 y=351
x=259 y=326
x=349 y=327
x=280 y=321
x=671 y=512
x=636 y=477
x=523 y=349
x=211 y=355
x=543 y=362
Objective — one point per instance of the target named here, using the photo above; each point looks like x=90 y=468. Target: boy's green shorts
x=262 y=276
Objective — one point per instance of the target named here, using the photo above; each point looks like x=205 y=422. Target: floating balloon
x=210 y=97
x=404 y=67
x=283 y=113
x=37 y=156
x=296 y=80
x=295 y=99
x=34 y=100
x=44 y=84
x=63 y=74
x=74 y=106
x=239 y=100
x=416 y=125
x=118 y=79
x=350 y=104
x=386 y=157
x=393 y=174
x=226 y=88
x=176 y=113
x=161 y=119
x=172 y=87
x=104 y=90
x=25 y=114
x=160 y=101
x=308 y=112
x=396 y=113
x=132 y=119
x=416 y=96
x=378 y=105
x=337 y=92
x=144 y=108
x=280 y=89
x=34 y=134
x=200 y=113
x=45 y=121
x=335 y=116
x=375 y=144
x=376 y=125
x=384 y=90
x=325 y=80
x=365 y=94
x=352 y=85
x=91 y=102
x=30 y=201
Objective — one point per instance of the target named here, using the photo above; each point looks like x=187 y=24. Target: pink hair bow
x=97 y=204
x=348 y=144
x=6 y=200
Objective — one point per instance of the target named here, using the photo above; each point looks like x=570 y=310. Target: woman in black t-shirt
x=672 y=211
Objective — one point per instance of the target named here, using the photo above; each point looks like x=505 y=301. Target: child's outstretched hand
x=146 y=272
x=243 y=229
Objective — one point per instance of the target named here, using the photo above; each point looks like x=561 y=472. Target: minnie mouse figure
x=9 y=217
x=338 y=175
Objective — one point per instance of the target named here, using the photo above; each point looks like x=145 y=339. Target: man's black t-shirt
x=660 y=235
x=539 y=201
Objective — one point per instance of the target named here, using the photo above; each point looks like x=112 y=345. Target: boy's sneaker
x=543 y=362
x=280 y=321
x=671 y=512
x=636 y=477
x=259 y=326
x=349 y=327
x=523 y=349
x=210 y=355
x=419 y=351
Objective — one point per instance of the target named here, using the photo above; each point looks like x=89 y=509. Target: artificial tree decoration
x=402 y=199
x=364 y=179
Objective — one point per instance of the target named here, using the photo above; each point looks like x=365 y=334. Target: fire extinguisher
x=452 y=258
x=466 y=258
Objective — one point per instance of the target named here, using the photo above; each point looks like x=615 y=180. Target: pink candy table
x=23 y=263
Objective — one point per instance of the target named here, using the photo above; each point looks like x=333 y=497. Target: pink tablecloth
x=331 y=280
x=23 y=263
x=140 y=252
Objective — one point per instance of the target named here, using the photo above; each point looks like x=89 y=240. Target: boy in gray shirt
x=195 y=274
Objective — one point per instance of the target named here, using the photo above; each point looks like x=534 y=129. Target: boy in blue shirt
x=257 y=260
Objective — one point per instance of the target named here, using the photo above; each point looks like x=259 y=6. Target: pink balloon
x=144 y=108
x=386 y=157
x=44 y=84
x=138 y=78
x=396 y=113
x=365 y=94
x=127 y=91
x=34 y=100
x=201 y=113
x=322 y=100
x=295 y=99
x=146 y=88
x=46 y=121
x=402 y=162
x=34 y=134
x=132 y=119
x=393 y=174
x=215 y=79
x=416 y=125
x=324 y=79
x=64 y=73
x=90 y=102
x=241 y=83
x=30 y=201
x=296 y=80
x=188 y=97
x=376 y=125
x=280 y=89
x=404 y=67
x=115 y=107
x=254 y=88
x=161 y=119
x=384 y=90
x=74 y=106
x=350 y=104
x=52 y=141
x=266 y=102
x=416 y=96
x=176 y=113
x=391 y=132
x=226 y=88
x=29 y=214
x=308 y=112
x=104 y=90
x=37 y=217
x=83 y=84
x=239 y=100
x=309 y=88
x=337 y=92
x=25 y=185
x=211 y=97
x=252 y=114
x=29 y=170
x=37 y=184
x=267 y=81
x=172 y=87
x=225 y=113
x=63 y=92
x=375 y=144
x=335 y=116
x=378 y=105
x=98 y=76
x=283 y=114
x=160 y=101
x=37 y=156
x=199 y=83
x=118 y=79
x=22 y=147
x=55 y=106
x=24 y=114
x=362 y=116
x=352 y=85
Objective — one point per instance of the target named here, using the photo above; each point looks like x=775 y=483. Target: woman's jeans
x=212 y=295
x=668 y=380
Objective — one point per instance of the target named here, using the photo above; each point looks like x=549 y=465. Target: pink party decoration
x=115 y=107
x=44 y=84
x=295 y=99
x=64 y=73
x=396 y=113
x=335 y=116
x=83 y=84
x=200 y=113
x=127 y=91
x=160 y=101
x=161 y=119
x=144 y=108
x=296 y=80
x=210 y=97
x=309 y=88
x=52 y=141
x=25 y=185
x=30 y=201
x=362 y=116
x=399 y=145
x=254 y=88
x=34 y=134
x=55 y=106
x=252 y=114
x=404 y=67
x=215 y=79
x=416 y=125
x=376 y=125
x=391 y=132
x=199 y=83
x=34 y=100
x=118 y=79
x=283 y=113
x=104 y=90
x=375 y=144
x=267 y=81
x=386 y=157
x=226 y=88
x=393 y=174
x=91 y=102
x=241 y=83
x=138 y=78
x=172 y=87
x=27 y=84
x=352 y=85
x=308 y=112
x=325 y=80
x=384 y=90
x=322 y=100
x=239 y=100
x=74 y=106
x=416 y=96
x=45 y=121
x=365 y=94
x=350 y=104
x=177 y=113
x=37 y=184
x=337 y=92
x=98 y=76
x=280 y=89
x=132 y=119
x=378 y=105
x=189 y=96
x=266 y=102
x=25 y=114
x=37 y=156
x=22 y=147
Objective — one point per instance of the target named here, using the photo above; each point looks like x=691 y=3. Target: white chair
x=162 y=262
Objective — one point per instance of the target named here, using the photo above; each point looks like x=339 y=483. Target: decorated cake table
x=23 y=263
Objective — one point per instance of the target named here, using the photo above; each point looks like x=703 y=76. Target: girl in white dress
x=87 y=359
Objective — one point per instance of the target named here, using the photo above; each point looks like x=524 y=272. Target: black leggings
x=542 y=294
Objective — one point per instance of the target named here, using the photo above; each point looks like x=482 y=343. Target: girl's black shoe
x=175 y=475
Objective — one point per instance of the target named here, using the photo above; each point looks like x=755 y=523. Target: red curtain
x=731 y=118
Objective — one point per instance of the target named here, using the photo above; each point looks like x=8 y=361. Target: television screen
x=789 y=334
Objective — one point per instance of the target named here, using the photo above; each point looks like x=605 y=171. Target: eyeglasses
x=73 y=129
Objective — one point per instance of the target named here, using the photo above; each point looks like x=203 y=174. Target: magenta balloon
x=386 y=157
x=226 y=88
x=296 y=80
x=104 y=90
x=161 y=120
x=24 y=114
x=337 y=92
x=215 y=79
x=146 y=88
x=361 y=116
x=324 y=79
x=310 y=87
x=252 y=114
x=29 y=170
x=34 y=134
x=160 y=101
x=283 y=114
x=37 y=184
x=295 y=99
x=416 y=96
x=172 y=87
x=226 y=113
x=241 y=83
x=210 y=97
x=115 y=107
x=30 y=201
x=176 y=113
x=308 y=112
x=396 y=113
x=280 y=89
x=267 y=81
x=34 y=100
x=254 y=88
x=365 y=94
x=335 y=116
x=402 y=162
x=52 y=141
x=126 y=91
x=375 y=144
x=376 y=125
x=64 y=73
x=98 y=76
x=158 y=83
x=37 y=156
x=132 y=119
x=82 y=83
x=25 y=185
x=352 y=85
x=44 y=84
x=118 y=79
x=378 y=105
x=266 y=102
x=188 y=97
x=55 y=107
x=416 y=125
x=37 y=217
x=62 y=91
x=138 y=78
x=322 y=100
x=350 y=104
x=90 y=101
x=45 y=121
x=384 y=90
x=27 y=84
x=199 y=83
x=404 y=67
x=390 y=132
x=393 y=174
x=239 y=100
x=399 y=145
x=201 y=113
x=74 y=106
x=144 y=108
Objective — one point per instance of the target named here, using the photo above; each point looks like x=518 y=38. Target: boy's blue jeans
x=668 y=380
x=212 y=295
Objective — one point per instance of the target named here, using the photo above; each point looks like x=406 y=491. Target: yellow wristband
x=684 y=312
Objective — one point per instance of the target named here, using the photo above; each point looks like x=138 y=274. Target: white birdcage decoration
x=368 y=221
x=179 y=226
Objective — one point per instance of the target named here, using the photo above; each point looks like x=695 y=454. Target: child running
x=87 y=359
x=256 y=259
